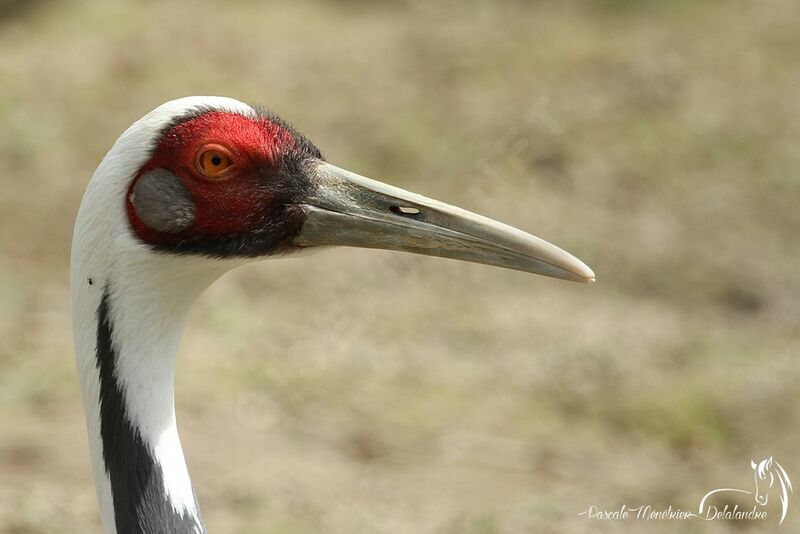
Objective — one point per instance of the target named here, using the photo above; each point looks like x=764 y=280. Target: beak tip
x=580 y=271
x=586 y=275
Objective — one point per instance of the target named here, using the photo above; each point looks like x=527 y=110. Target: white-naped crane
x=193 y=189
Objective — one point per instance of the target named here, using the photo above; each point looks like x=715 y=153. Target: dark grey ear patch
x=162 y=202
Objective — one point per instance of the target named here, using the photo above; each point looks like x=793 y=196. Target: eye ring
x=214 y=162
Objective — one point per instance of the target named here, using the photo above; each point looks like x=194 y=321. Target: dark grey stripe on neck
x=141 y=505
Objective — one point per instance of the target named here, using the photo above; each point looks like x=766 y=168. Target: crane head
x=222 y=184
x=234 y=182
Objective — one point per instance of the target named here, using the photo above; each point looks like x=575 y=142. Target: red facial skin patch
x=241 y=201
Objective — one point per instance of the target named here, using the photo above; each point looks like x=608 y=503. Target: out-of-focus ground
x=359 y=391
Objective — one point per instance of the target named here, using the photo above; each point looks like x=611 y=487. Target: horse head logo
x=766 y=473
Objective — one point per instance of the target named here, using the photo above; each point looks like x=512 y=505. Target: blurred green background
x=359 y=391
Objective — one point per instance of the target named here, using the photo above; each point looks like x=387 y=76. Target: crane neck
x=129 y=305
x=127 y=325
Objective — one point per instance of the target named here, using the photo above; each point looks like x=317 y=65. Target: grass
x=359 y=391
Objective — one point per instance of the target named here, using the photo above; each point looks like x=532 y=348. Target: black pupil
x=216 y=161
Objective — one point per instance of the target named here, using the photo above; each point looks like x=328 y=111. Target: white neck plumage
x=129 y=327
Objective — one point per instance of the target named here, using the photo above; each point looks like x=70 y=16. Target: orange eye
x=214 y=162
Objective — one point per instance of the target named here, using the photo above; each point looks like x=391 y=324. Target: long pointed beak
x=345 y=209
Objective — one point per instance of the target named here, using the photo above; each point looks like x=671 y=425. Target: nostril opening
x=404 y=210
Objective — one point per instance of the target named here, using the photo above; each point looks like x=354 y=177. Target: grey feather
x=162 y=202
